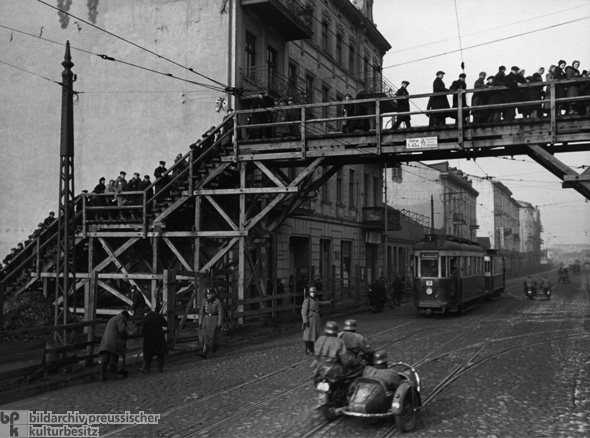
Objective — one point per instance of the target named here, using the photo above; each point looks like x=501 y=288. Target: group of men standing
x=151 y=324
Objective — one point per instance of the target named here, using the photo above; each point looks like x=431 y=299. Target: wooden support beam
x=177 y=254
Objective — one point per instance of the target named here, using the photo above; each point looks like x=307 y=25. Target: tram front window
x=429 y=268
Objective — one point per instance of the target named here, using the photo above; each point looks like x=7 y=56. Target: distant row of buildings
x=473 y=208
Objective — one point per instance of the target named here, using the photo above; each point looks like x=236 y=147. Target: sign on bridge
x=421 y=142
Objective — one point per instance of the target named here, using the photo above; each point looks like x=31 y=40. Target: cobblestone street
x=532 y=378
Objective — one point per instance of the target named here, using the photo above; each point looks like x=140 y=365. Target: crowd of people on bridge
x=510 y=88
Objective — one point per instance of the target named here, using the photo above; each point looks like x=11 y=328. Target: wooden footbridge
x=207 y=221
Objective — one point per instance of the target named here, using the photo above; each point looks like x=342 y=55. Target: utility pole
x=65 y=271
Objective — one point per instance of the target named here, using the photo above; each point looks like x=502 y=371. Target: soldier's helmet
x=312 y=289
x=380 y=357
x=331 y=328
x=350 y=325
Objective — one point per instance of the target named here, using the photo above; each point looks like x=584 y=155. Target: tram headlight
x=428 y=291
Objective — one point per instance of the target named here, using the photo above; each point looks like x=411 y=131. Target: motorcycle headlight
x=323 y=386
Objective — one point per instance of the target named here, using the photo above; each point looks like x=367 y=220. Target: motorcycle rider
x=530 y=283
x=331 y=351
x=545 y=284
x=381 y=372
x=356 y=344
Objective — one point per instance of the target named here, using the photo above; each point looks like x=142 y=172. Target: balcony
x=373 y=217
x=259 y=78
x=290 y=17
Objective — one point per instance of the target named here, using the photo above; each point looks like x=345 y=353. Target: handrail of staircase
x=35 y=247
x=218 y=135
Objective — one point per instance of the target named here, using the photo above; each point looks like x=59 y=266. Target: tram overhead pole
x=65 y=271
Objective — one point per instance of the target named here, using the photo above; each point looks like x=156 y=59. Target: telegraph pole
x=65 y=271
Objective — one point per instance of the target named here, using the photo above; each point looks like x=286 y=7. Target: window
x=339 y=186
x=339 y=38
x=325 y=187
x=352 y=189
x=346 y=262
x=376 y=192
x=377 y=85
x=309 y=84
x=351 y=57
x=293 y=70
x=366 y=191
x=325 y=98
x=366 y=69
x=325 y=34
x=271 y=66
x=428 y=267
x=250 y=55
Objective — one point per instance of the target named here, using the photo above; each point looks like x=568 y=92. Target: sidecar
x=370 y=398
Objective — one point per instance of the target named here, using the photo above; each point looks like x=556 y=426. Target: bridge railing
x=376 y=114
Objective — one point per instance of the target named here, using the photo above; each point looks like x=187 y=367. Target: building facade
x=441 y=194
x=530 y=236
x=499 y=220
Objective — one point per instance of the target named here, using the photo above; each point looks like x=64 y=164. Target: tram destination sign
x=429 y=255
x=422 y=143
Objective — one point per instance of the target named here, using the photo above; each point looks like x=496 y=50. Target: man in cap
x=159 y=175
x=310 y=314
x=478 y=98
x=120 y=187
x=49 y=219
x=512 y=95
x=457 y=85
x=403 y=106
x=113 y=345
x=133 y=186
x=496 y=96
x=210 y=322
x=438 y=102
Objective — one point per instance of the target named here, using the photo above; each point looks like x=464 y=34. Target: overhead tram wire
x=459 y=33
x=31 y=73
x=219 y=84
x=110 y=58
x=488 y=42
x=487 y=30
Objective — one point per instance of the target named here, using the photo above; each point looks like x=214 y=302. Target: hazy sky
x=424 y=35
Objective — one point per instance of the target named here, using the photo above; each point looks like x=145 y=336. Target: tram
x=453 y=274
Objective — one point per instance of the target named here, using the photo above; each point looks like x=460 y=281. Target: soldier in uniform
x=310 y=313
x=381 y=372
x=210 y=322
x=331 y=351
x=356 y=344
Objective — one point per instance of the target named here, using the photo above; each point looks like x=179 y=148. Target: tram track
x=322 y=429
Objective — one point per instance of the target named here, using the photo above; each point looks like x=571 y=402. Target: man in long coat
x=312 y=324
x=154 y=339
x=479 y=98
x=460 y=84
x=438 y=102
x=210 y=322
x=497 y=96
x=112 y=345
x=512 y=95
x=403 y=106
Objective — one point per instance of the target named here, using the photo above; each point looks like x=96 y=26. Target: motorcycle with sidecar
x=365 y=397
